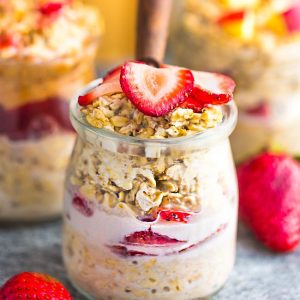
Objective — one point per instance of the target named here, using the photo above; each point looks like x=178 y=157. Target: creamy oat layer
x=117 y=113
x=31 y=176
x=191 y=274
x=39 y=30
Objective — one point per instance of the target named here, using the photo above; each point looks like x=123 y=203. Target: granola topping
x=116 y=113
x=32 y=31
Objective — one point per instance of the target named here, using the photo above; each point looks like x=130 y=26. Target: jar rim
x=224 y=129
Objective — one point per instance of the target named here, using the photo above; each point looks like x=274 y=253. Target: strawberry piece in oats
x=148 y=237
x=83 y=206
x=174 y=216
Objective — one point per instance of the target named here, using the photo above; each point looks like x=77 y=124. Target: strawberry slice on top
x=155 y=91
x=104 y=88
x=113 y=74
x=209 y=89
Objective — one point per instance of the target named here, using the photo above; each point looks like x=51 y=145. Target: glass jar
x=112 y=250
x=249 y=41
x=36 y=82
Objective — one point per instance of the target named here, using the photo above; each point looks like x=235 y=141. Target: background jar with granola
x=47 y=52
x=150 y=203
x=256 y=42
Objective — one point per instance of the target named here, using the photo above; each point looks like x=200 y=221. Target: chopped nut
x=168 y=186
x=119 y=121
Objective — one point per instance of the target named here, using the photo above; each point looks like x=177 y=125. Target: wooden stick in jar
x=152 y=29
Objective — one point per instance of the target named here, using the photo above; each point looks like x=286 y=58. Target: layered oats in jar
x=47 y=51
x=151 y=194
x=257 y=42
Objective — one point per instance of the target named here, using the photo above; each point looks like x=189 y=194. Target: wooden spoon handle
x=152 y=28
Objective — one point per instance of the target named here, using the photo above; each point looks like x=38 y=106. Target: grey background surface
x=258 y=274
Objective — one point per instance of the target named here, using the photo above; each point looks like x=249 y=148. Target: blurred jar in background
x=47 y=52
x=257 y=42
x=118 y=41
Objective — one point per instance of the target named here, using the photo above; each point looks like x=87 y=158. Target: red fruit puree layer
x=35 y=120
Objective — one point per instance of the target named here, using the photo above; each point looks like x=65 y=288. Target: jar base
x=89 y=297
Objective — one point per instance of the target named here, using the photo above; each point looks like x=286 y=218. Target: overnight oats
x=257 y=42
x=42 y=63
x=151 y=194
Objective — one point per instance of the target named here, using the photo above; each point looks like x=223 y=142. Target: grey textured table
x=258 y=275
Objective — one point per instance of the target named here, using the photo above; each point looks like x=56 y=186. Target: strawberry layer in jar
x=257 y=43
x=151 y=195
x=47 y=52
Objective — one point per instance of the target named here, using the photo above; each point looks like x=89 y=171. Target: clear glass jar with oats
x=257 y=42
x=151 y=194
x=42 y=64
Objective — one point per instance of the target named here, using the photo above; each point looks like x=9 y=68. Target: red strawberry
x=262 y=110
x=269 y=188
x=231 y=17
x=31 y=286
x=174 y=216
x=50 y=8
x=193 y=103
x=148 y=237
x=83 y=206
x=7 y=40
x=155 y=91
x=113 y=74
x=122 y=250
x=110 y=87
x=292 y=18
x=210 y=88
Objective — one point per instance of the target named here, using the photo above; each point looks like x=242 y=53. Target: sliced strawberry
x=193 y=103
x=231 y=17
x=50 y=8
x=292 y=18
x=7 y=40
x=113 y=74
x=155 y=91
x=148 y=237
x=175 y=216
x=110 y=87
x=83 y=206
x=123 y=251
x=262 y=110
x=210 y=88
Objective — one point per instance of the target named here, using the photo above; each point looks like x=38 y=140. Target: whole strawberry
x=269 y=187
x=29 y=286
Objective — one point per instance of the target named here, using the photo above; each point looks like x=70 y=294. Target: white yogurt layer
x=107 y=229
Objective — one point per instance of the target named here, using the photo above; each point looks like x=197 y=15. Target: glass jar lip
x=224 y=129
